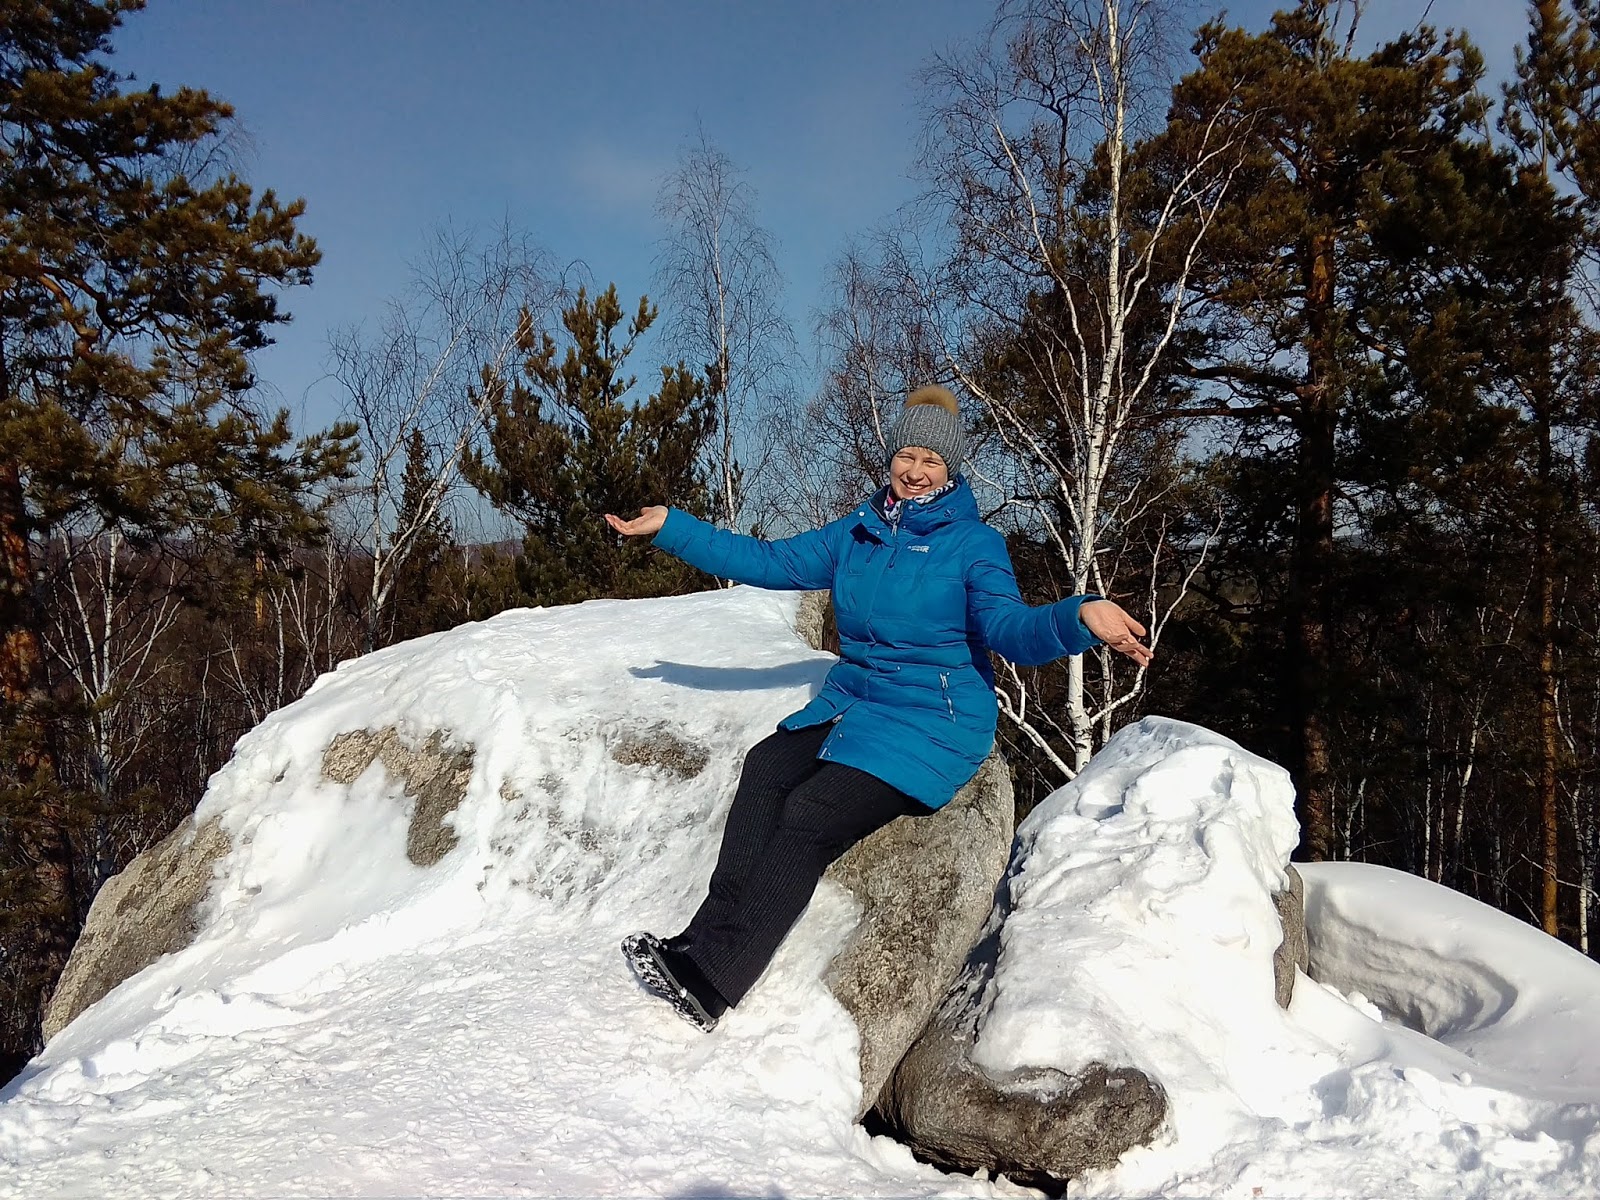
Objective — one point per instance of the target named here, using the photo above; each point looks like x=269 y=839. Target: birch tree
x=1071 y=272
x=423 y=372
x=301 y=628
x=720 y=287
x=109 y=611
x=876 y=349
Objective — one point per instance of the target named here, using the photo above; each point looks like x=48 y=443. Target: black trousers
x=791 y=817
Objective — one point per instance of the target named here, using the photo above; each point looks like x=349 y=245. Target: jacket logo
x=918 y=549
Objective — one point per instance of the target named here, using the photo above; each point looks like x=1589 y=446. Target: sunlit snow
x=349 y=1024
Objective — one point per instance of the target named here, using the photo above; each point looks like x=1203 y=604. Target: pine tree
x=1355 y=212
x=566 y=446
x=413 y=611
x=135 y=281
x=1550 y=355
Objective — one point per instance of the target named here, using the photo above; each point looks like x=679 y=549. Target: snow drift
x=349 y=1023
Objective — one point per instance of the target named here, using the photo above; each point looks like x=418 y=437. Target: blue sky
x=390 y=116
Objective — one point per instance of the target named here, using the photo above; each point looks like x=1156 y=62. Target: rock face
x=140 y=914
x=1294 y=952
x=1038 y=1127
x=814 y=622
x=148 y=909
x=435 y=775
x=660 y=748
x=925 y=885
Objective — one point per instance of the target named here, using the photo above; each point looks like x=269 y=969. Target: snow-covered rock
x=349 y=814
x=142 y=913
x=1049 y=1056
x=923 y=887
x=344 y=1021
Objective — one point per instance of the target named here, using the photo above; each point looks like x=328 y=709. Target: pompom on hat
x=931 y=419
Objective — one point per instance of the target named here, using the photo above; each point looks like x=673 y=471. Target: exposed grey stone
x=435 y=775
x=815 y=622
x=143 y=912
x=1038 y=1126
x=349 y=754
x=660 y=747
x=925 y=885
x=1294 y=951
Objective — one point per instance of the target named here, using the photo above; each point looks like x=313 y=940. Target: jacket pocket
x=858 y=557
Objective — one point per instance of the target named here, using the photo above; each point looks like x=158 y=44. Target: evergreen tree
x=134 y=284
x=414 y=610
x=1550 y=356
x=1334 y=263
x=566 y=446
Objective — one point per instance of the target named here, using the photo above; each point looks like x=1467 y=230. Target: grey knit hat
x=931 y=419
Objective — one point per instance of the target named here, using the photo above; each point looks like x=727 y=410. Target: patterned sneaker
x=649 y=960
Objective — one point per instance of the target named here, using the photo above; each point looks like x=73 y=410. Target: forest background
x=1286 y=343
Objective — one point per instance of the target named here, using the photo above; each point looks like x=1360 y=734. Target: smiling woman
x=914 y=472
x=923 y=590
x=930 y=429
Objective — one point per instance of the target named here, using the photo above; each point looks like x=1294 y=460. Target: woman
x=922 y=591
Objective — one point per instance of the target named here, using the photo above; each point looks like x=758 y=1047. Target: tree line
x=1287 y=345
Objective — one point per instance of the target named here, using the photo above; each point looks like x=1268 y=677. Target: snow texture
x=349 y=1024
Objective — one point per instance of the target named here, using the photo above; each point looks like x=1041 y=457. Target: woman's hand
x=647 y=524
x=1108 y=622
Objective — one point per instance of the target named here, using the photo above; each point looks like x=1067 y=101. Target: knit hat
x=931 y=419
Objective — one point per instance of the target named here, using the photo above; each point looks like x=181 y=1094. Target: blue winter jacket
x=920 y=602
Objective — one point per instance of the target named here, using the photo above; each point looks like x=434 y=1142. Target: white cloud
x=617 y=182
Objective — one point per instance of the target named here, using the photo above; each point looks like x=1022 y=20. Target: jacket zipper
x=944 y=686
x=872 y=599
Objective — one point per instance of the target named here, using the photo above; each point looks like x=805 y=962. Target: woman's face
x=915 y=471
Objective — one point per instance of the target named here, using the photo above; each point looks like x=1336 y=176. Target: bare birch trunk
x=721 y=281
x=1078 y=358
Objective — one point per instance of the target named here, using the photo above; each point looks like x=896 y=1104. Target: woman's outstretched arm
x=1031 y=636
x=800 y=563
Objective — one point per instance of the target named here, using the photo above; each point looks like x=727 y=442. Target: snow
x=1445 y=1049
x=349 y=1024
x=1467 y=976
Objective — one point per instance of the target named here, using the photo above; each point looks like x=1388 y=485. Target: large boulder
x=149 y=909
x=1173 y=833
x=1039 y=1127
x=925 y=885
